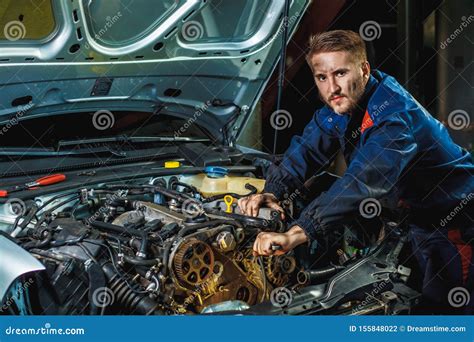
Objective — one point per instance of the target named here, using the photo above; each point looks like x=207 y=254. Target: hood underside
x=201 y=59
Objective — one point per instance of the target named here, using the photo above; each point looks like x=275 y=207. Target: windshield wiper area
x=94 y=146
x=127 y=139
x=51 y=152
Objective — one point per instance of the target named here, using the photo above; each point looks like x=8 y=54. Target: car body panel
x=50 y=76
x=14 y=262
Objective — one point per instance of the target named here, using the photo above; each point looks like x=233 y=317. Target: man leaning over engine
x=398 y=148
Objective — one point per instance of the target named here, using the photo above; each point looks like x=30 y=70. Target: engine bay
x=167 y=245
x=160 y=246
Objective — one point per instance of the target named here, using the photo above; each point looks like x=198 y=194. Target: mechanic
x=393 y=148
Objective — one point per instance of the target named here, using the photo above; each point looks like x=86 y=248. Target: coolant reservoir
x=216 y=182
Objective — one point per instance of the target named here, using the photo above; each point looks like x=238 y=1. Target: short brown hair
x=337 y=40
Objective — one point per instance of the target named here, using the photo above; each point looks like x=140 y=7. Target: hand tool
x=47 y=180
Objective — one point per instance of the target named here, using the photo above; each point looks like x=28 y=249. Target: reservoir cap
x=216 y=171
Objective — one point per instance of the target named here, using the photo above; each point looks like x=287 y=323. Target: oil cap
x=172 y=164
x=216 y=171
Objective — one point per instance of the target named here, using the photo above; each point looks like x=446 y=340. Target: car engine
x=178 y=244
x=159 y=247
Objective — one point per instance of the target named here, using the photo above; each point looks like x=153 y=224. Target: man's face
x=340 y=79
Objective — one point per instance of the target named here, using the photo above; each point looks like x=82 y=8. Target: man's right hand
x=250 y=205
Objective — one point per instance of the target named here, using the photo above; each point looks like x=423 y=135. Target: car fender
x=14 y=262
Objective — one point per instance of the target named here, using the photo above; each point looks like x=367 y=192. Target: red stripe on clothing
x=465 y=251
x=366 y=122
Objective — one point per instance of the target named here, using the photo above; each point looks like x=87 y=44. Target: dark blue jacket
x=404 y=153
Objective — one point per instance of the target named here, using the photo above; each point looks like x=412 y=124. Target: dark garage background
x=411 y=46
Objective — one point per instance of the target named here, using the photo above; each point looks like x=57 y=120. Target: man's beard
x=357 y=90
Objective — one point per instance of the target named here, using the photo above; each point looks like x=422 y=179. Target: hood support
x=281 y=72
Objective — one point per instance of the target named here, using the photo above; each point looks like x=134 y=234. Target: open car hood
x=199 y=59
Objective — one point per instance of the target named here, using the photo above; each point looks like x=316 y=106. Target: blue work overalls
x=394 y=149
